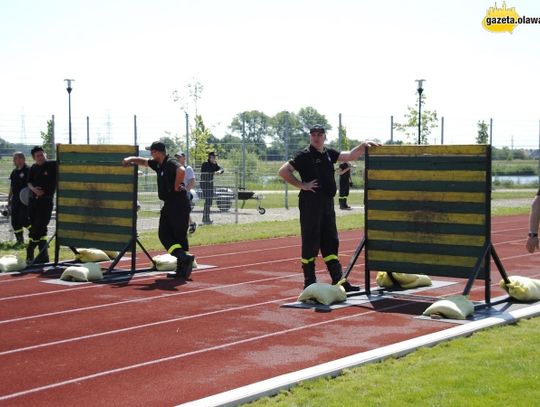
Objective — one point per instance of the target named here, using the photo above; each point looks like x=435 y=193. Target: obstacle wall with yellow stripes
x=427 y=208
x=96 y=196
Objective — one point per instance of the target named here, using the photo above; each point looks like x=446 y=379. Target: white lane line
x=148 y=325
x=158 y=297
x=192 y=353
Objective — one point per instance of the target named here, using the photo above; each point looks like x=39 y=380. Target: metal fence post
x=134 y=129
x=87 y=130
x=340 y=134
x=286 y=157
x=391 y=129
x=491 y=131
x=442 y=130
x=243 y=180
x=187 y=138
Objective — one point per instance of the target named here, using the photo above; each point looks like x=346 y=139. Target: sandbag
x=111 y=254
x=458 y=307
x=165 y=262
x=84 y=273
x=522 y=288
x=323 y=293
x=91 y=255
x=11 y=263
x=404 y=280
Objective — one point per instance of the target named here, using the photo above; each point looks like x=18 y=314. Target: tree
x=410 y=125
x=200 y=136
x=482 y=136
x=255 y=126
x=48 y=140
x=171 y=144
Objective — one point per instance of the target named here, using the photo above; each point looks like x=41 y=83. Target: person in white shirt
x=189 y=180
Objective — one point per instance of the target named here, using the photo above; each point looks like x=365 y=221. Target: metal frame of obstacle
x=428 y=211
x=96 y=200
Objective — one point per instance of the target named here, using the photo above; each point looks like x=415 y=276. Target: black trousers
x=173 y=223
x=19 y=215
x=208 y=199
x=318 y=227
x=40 y=211
x=344 y=187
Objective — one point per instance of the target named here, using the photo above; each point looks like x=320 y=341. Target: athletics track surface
x=152 y=341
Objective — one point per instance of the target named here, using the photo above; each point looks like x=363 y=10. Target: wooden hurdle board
x=96 y=197
x=427 y=211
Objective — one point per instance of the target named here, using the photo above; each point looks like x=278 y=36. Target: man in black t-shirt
x=315 y=164
x=174 y=216
x=19 y=211
x=534 y=221
x=42 y=183
x=208 y=169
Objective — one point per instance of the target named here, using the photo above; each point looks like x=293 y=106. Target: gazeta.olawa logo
x=505 y=19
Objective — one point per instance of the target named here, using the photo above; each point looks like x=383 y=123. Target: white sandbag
x=165 y=262
x=522 y=288
x=91 y=255
x=11 y=263
x=458 y=307
x=86 y=272
x=111 y=254
x=404 y=280
x=323 y=293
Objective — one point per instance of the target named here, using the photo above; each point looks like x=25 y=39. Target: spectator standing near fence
x=174 y=216
x=534 y=221
x=189 y=180
x=42 y=183
x=19 y=211
x=208 y=169
x=317 y=185
x=345 y=183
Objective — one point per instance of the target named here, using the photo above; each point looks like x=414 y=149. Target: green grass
x=495 y=367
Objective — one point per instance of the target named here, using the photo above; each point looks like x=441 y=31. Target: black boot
x=342 y=203
x=43 y=256
x=345 y=204
x=184 y=264
x=30 y=251
x=334 y=268
x=309 y=273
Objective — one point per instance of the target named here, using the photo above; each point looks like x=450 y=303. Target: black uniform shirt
x=44 y=176
x=166 y=175
x=207 y=175
x=311 y=164
x=19 y=180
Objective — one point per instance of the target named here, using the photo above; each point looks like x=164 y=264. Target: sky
x=358 y=58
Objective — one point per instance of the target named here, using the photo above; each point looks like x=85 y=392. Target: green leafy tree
x=410 y=125
x=47 y=139
x=171 y=144
x=256 y=127
x=482 y=136
x=200 y=136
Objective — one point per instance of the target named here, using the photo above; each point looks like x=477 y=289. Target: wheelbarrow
x=225 y=197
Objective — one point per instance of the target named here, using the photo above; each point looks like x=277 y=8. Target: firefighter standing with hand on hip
x=315 y=164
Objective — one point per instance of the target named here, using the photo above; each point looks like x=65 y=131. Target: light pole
x=420 y=90
x=68 y=88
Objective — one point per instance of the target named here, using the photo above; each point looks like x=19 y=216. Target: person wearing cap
x=315 y=165
x=19 y=211
x=42 y=183
x=174 y=216
x=534 y=221
x=208 y=169
x=189 y=180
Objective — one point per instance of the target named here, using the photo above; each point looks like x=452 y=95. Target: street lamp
x=420 y=90
x=68 y=88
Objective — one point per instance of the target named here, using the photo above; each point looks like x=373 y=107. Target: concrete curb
x=272 y=386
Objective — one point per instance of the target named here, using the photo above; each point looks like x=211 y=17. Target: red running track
x=153 y=341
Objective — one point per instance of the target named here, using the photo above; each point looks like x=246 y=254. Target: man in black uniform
x=344 y=184
x=19 y=211
x=174 y=216
x=208 y=169
x=315 y=164
x=42 y=183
